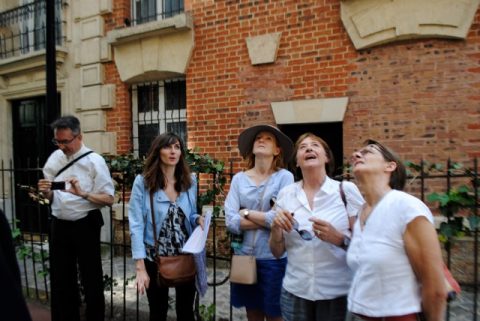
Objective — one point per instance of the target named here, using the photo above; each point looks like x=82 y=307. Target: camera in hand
x=58 y=185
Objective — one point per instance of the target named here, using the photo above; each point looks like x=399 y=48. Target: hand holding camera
x=58 y=185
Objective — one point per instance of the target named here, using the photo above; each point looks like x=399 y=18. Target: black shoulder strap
x=73 y=162
x=342 y=194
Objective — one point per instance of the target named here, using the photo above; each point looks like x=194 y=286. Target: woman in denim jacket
x=167 y=175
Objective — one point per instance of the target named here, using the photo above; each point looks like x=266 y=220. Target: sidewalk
x=460 y=309
x=125 y=300
x=39 y=312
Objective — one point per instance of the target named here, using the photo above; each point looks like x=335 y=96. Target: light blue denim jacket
x=140 y=216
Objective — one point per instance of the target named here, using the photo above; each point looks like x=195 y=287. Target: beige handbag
x=243 y=269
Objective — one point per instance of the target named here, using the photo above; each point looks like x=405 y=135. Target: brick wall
x=119 y=119
x=421 y=97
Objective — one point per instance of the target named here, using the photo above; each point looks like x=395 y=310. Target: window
x=158 y=107
x=151 y=10
x=30 y=23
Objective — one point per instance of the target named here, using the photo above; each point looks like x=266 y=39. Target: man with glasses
x=77 y=183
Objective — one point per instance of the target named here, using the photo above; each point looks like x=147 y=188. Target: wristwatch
x=245 y=213
x=345 y=243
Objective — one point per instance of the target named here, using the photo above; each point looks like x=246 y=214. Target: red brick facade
x=119 y=119
x=422 y=97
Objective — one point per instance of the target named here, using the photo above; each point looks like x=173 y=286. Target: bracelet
x=85 y=197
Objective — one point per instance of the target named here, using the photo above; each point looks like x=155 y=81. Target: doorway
x=31 y=147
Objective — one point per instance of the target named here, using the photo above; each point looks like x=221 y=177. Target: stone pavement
x=39 y=312
x=222 y=294
x=460 y=310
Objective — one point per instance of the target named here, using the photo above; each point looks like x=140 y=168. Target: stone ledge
x=374 y=22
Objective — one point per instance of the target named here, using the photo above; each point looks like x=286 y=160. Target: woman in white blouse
x=394 y=253
x=313 y=226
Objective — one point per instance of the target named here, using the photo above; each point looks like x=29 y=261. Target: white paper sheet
x=196 y=242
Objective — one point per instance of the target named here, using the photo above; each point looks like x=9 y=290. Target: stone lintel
x=324 y=110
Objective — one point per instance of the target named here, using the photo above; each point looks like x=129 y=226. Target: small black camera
x=58 y=185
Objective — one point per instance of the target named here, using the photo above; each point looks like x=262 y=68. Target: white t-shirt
x=317 y=270
x=93 y=175
x=384 y=283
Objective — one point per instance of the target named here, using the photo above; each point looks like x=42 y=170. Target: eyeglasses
x=63 y=142
x=304 y=234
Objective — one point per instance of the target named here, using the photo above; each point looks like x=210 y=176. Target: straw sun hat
x=247 y=137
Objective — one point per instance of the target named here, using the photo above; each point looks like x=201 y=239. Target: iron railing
x=144 y=11
x=124 y=303
x=23 y=29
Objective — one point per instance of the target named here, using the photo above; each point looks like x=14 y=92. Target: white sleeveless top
x=384 y=283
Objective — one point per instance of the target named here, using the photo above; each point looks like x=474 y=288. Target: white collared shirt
x=384 y=282
x=93 y=175
x=317 y=270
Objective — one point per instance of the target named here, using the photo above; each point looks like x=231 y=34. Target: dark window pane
x=176 y=93
x=146 y=134
x=172 y=7
x=147 y=98
x=179 y=128
x=146 y=10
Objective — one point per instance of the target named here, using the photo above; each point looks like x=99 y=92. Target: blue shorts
x=265 y=295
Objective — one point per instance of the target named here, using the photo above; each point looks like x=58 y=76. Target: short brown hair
x=330 y=165
x=398 y=177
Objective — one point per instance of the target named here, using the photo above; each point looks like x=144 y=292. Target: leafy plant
x=123 y=169
x=207 y=313
x=453 y=202
x=26 y=252
x=203 y=163
x=450 y=204
x=109 y=282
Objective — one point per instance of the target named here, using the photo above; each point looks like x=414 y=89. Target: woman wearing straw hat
x=249 y=212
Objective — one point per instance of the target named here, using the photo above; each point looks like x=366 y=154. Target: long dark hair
x=153 y=174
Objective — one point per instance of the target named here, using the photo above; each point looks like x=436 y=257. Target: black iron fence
x=144 y=11
x=23 y=29
x=456 y=185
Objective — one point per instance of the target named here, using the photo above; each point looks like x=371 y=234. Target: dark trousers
x=158 y=298
x=295 y=308
x=72 y=243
